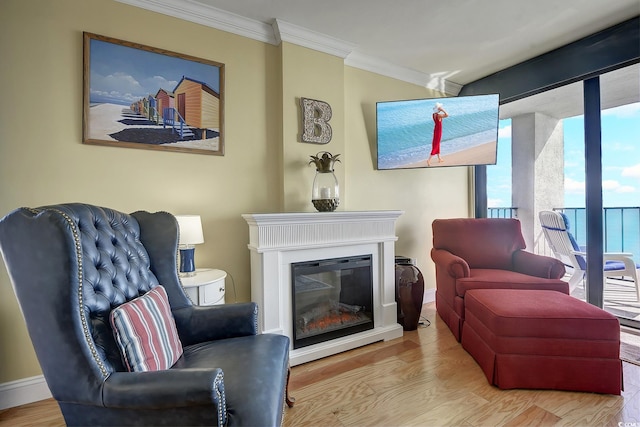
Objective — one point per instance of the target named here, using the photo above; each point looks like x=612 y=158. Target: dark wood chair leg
x=290 y=400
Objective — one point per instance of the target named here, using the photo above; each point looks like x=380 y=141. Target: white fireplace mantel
x=278 y=240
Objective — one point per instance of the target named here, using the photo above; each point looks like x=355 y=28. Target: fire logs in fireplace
x=329 y=316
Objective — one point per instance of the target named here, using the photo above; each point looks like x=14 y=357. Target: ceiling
x=457 y=41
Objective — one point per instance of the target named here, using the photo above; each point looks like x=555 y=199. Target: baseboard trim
x=23 y=391
x=429 y=295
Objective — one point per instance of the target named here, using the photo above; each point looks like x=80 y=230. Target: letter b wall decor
x=315 y=121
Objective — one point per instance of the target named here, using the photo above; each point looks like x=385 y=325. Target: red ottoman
x=539 y=339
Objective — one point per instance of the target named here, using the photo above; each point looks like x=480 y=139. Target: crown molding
x=291 y=33
x=388 y=69
x=279 y=31
x=385 y=68
x=209 y=16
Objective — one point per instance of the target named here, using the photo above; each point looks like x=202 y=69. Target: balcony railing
x=621 y=226
x=502 y=212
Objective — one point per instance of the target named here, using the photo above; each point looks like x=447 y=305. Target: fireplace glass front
x=332 y=298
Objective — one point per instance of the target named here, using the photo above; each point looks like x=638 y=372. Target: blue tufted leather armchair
x=71 y=264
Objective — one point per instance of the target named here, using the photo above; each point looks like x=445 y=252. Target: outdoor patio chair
x=555 y=226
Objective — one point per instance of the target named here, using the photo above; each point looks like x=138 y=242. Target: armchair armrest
x=158 y=389
x=537 y=265
x=452 y=264
x=172 y=388
x=624 y=257
x=630 y=267
x=617 y=255
x=207 y=323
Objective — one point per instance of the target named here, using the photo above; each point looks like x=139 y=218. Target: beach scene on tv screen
x=437 y=132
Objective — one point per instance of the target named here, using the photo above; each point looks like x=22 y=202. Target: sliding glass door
x=600 y=179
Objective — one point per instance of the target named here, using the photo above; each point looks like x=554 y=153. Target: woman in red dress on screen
x=438 y=115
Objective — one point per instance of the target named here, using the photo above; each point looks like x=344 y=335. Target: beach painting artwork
x=137 y=96
x=437 y=132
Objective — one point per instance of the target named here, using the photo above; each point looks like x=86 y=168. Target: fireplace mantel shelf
x=304 y=217
x=315 y=229
x=276 y=240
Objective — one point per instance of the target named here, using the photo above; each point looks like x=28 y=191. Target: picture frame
x=137 y=96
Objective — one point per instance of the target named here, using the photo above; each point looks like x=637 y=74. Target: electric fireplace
x=362 y=244
x=332 y=298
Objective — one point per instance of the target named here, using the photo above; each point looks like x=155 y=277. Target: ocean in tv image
x=469 y=133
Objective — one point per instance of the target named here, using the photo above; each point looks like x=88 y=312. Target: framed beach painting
x=138 y=96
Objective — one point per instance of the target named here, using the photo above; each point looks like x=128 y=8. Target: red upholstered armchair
x=473 y=253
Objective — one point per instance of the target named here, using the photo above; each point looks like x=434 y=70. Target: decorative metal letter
x=315 y=118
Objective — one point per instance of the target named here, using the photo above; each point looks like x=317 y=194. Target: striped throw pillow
x=146 y=332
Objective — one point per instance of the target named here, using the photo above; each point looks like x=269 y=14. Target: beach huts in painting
x=164 y=99
x=198 y=104
x=160 y=100
x=192 y=103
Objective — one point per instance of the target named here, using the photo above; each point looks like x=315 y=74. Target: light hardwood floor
x=424 y=378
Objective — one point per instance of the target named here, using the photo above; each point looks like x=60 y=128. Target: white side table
x=206 y=287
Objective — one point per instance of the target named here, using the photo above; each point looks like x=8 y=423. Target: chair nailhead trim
x=85 y=326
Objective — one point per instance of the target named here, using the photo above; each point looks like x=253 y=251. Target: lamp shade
x=190 y=229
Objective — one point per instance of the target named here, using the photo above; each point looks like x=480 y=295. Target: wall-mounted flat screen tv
x=436 y=132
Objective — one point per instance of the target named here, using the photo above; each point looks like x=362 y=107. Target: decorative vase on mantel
x=325 y=193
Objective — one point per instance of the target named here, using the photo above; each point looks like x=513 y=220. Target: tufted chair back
x=71 y=264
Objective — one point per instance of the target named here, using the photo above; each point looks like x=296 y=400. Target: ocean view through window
x=620 y=177
x=621 y=224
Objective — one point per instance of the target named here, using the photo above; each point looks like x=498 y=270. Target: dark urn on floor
x=409 y=295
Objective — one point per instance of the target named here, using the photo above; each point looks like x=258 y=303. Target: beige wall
x=309 y=74
x=43 y=160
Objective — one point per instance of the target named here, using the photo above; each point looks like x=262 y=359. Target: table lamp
x=190 y=227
